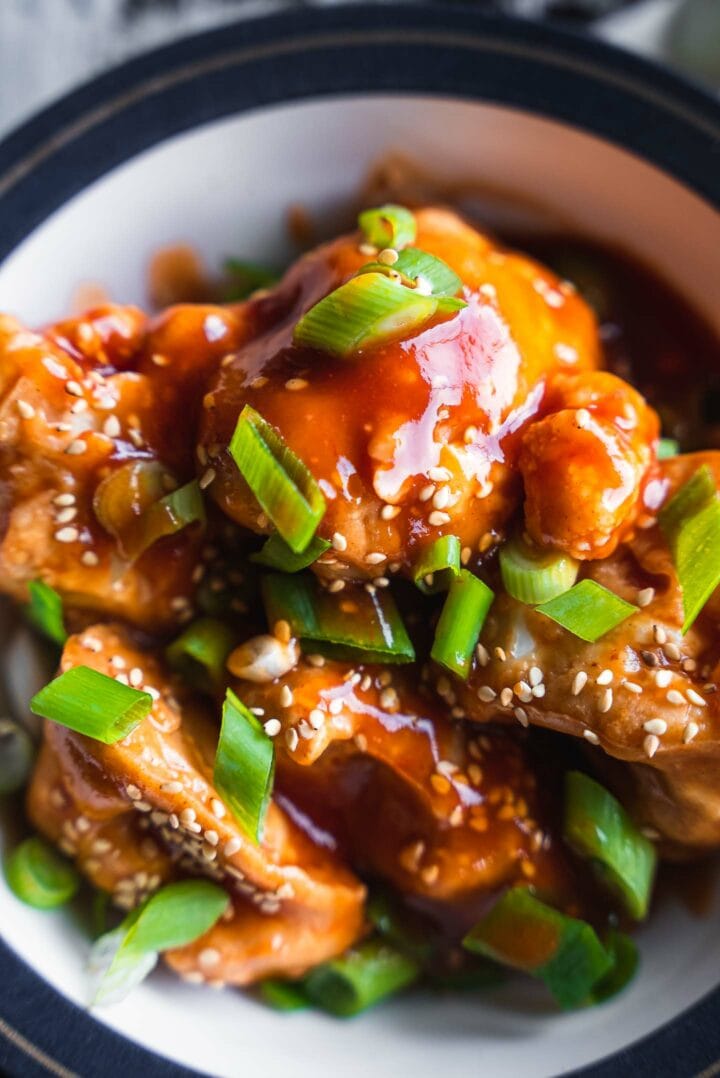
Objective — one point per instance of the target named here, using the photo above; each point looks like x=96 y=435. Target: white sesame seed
x=389 y=512
x=486 y=693
x=690 y=732
x=673 y=651
x=521 y=716
x=663 y=678
x=286 y=696
x=579 y=682
x=645 y=597
x=441 y=497
x=374 y=558
x=606 y=701
x=171 y=787
x=339 y=541
x=389 y=699
x=26 y=410
x=388 y=256
x=650 y=745
x=133 y=792
x=336 y=586
x=523 y=692
x=632 y=686
x=294 y=384
x=76 y=448
x=64 y=499
x=674 y=697
x=66 y=515
x=483 y=656
x=368 y=250
x=135 y=677
x=89 y=558
x=207 y=478
x=439 y=475
x=67 y=535
x=272 y=727
x=73 y=388
x=436 y=519
x=582 y=418
x=232 y=846
x=316 y=718
x=604 y=677
x=659 y=634
x=500 y=654
x=696 y=698
x=335 y=706
x=291 y=738
x=591 y=736
x=538 y=690
x=655 y=726
x=535 y=675
x=427 y=492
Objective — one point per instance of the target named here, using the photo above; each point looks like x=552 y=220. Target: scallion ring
x=45 y=611
x=388 y=226
x=690 y=522
x=359 y=979
x=91 y=703
x=462 y=617
x=39 y=876
x=244 y=766
x=588 y=610
x=535 y=576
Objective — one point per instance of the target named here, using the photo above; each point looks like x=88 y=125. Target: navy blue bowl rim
x=454 y=52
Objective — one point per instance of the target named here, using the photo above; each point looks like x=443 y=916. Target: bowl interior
x=226 y=188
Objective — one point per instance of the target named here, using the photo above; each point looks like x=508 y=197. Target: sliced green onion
x=133 y=505
x=201 y=650
x=588 y=610
x=368 y=310
x=279 y=480
x=412 y=263
x=598 y=828
x=462 y=617
x=524 y=933
x=532 y=575
x=244 y=766
x=359 y=979
x=99 y=909
x=438 y=564
x=353 y=625
x=45 y=611
x=388 y=226
x=284 y=996
x=17 y=754
x=400 y=927
x=244 y=278
x=276 y=554
x=39 y=876
x=93 y=704
x=174 y=916
x=690 y=523
x=625 y=959
x=667 y=447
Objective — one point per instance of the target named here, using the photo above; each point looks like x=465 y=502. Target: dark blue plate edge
x=635 y=104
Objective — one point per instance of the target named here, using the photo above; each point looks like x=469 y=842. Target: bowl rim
x=292 y=56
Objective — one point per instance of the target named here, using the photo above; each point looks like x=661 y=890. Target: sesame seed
x=389 y=512
x=605 y=677
x=591 y=736
x=430 y=874
x=26 y=410
x=73 y=388
x=696 y=698
x=211 y=837
x=579 y=682
x=673 y=651
x=389 y=699
x=291 y=738
x=76 y=448
x=582 y=418
x=296 y=383
x=64 y=499
x=272 y=727
x=92 y=644
x=538 y=690
x=436 y=519
x=427 y=492
x=439 y=475
x=535 y=675
x=483 y=656
x=632 y=686
x=650 y=745
x=691 y=731
x=217 y=808
x=606 y=701
x=663 y=678
x=208 y=957
x=655 y=726
x=232 y=846
x=441 y=498
x=135 y=677
x=674 y=697
x=506 y=697
x=486 y=693
x=659 y=634
x=133 y=792
x=67 y=535
x=339 y=541
x=207 y=478
x=374 y=558
x=388 y=256
x=645 y=596
x=316 y=718
x=500 y=654
x=465 y=555
x=188 y=816
x=89 y=558
x=316 y=660
x=523 y=691
x=336 y=586
x=521 y=716
x=66 y=515
x=368 y=250
x=335 y=706
x=689 y=665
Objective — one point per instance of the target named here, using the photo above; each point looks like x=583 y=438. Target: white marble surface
x=47 y=46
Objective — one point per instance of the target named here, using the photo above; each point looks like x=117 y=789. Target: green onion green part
x=588 y=610
x=353 y=625
x=244 y=766
x=278 y=478
x=625 y=959
x=667 y=447
x=599 y=829
x=522 y=932
x=244 y=278
x=276 y=554
x=438 y=565
x=38 y=875
x=282 y=995
x=199 y=653
x=17 y=755
x=690 y=523
x=367 y=311
x=419 y=269
x=45 y=611
x=359 y=979
x=93 y=704
x=388 y=226
x=535 y=576
x=174 y=916
x=461 y=620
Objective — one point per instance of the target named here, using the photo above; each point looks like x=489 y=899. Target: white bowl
x=163 y=152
